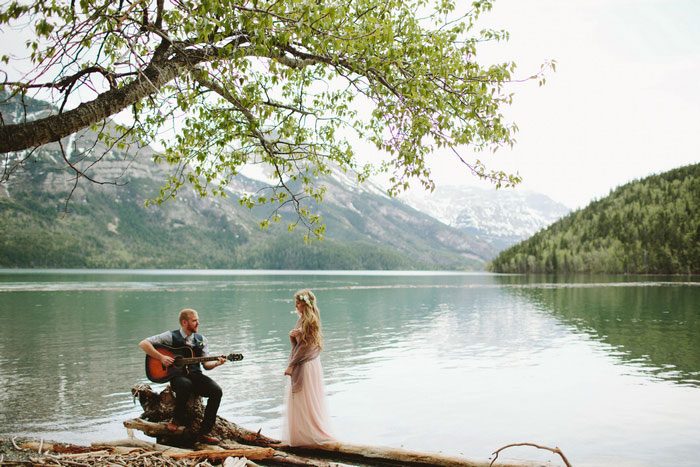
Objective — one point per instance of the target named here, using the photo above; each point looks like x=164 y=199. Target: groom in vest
x=194 y=381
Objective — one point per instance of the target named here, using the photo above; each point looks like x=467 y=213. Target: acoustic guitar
x=159 y=373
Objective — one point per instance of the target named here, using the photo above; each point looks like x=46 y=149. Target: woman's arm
x=295 y=338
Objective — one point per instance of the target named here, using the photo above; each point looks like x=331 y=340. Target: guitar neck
x=191 y=360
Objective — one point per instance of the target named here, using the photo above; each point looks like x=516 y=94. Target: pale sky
x=624 y=102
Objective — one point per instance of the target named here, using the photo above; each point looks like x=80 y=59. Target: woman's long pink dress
x=306 y=415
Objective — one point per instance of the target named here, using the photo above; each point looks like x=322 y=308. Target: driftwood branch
x=69 y=449
x=555 y=450
x=152 y=428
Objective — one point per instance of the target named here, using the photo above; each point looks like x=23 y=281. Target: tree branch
x=69 y=81
x=554 y=450
x=50 y=129
x=267 y=145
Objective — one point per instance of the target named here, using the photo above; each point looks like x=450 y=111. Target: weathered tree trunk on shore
x=158 y=410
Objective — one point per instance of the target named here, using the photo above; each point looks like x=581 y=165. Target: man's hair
x=186 y=314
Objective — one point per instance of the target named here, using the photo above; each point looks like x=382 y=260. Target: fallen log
x=282 y=457
x=228 y=449
x=249 y=452
x=69 y=455
x=392 y=456
x=158 y=408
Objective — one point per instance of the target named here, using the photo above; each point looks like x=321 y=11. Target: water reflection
x=59 y=354
x=653 y=324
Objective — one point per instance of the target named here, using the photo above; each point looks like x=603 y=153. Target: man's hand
x=220 y=360
x=152 y=352
x=166 y=360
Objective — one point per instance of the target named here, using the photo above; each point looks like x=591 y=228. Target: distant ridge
x=500 y=217
x=649 y=226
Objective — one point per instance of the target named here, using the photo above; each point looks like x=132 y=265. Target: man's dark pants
x=200 y=385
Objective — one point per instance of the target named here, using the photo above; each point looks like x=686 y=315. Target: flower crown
x=305 y=299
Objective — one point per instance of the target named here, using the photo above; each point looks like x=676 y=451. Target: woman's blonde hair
x=310 y=318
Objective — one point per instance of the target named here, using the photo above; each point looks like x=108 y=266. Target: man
x=194 y=381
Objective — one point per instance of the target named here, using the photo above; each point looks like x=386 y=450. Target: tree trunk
x=21 y=136
x=159 y=408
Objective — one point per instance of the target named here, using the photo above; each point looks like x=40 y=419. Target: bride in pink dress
x=306 y=417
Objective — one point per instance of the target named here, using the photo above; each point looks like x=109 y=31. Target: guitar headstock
x=234 y=357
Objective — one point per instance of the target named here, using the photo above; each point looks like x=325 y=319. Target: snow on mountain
x=501 y=217
x=349 y=180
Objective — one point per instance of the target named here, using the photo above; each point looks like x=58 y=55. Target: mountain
x=501 y=217
x=106 y=225
x=648 y=226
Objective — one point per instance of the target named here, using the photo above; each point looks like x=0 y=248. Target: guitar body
x=158 y=373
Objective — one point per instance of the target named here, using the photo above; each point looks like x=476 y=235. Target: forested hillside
x=650 y=226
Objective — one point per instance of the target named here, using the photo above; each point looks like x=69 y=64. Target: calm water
x=607 y=368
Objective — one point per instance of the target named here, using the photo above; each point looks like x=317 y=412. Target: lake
x=607 y=368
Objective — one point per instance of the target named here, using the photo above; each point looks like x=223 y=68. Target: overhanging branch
x=50 y=129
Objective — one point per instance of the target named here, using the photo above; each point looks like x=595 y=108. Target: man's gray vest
x=197 y=348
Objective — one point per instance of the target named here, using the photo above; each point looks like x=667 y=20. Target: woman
x=306 y=415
